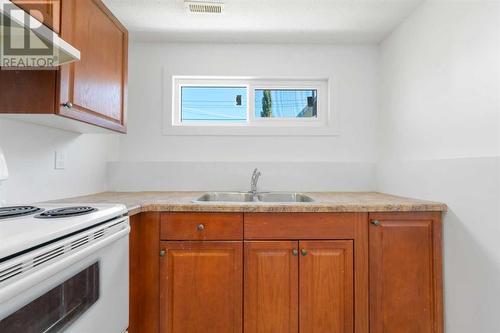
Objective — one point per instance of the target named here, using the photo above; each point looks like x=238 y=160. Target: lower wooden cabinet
x=201 y=287
x=299 y=286
x=381 y=275
x=144 y=244
x=405 y=273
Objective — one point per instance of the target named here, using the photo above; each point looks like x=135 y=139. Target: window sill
x=244 y=130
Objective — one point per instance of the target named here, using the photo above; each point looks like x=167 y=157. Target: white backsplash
x=29 y=151
x=235 y=176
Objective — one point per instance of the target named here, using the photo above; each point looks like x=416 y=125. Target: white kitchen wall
x=440 y=140
x=30 y=153
x=437 y=121
x=188 y=162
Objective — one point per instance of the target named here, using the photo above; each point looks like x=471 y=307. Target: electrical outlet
x=60 y=160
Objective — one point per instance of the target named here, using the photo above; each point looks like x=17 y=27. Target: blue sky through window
x=288 y=103
x=213 y=104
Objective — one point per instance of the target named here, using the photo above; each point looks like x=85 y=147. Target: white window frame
x=325 y=123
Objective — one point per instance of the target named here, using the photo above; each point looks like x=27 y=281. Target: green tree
x=267 y=105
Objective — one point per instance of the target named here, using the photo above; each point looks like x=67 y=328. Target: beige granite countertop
x=137 y=202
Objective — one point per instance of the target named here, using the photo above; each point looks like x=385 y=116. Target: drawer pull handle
x=303 y=252
x=375 y=222
x=200 y=227
x=295 y=252
x=162 y=253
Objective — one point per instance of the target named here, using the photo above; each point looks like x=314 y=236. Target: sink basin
x=226 y=197
x=284 y=197
x=277 y=197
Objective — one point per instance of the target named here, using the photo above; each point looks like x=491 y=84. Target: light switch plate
x=60 y=160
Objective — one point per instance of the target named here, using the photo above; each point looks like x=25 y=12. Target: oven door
x=76 y=285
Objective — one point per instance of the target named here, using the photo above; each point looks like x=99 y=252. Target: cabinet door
x=404 y=278
x=271 y=287
x=201 y=287
x=326 y=287
x=96 y=85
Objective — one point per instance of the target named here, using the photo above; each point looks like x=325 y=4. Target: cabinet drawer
x=201 y=226
x=301 y=225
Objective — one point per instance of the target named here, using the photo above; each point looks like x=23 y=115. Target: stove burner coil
x=66 y=212
x=16 y=211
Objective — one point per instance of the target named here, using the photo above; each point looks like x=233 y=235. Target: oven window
x=59 y=307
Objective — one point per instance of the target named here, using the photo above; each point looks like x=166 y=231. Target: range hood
x=16 y=26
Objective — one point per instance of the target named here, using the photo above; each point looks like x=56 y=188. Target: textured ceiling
x=264 y=21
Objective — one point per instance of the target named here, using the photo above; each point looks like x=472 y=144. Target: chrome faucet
x=255 y=180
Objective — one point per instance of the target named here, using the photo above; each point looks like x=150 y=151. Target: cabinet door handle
x=68 y=105
x=295 y=252
x=375 y=222
x=200 y=227
x=162 y=253
x=303 y=252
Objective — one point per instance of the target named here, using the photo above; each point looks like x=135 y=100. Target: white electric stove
x=64 y=268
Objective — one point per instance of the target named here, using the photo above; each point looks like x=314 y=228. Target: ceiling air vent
x=205 y=7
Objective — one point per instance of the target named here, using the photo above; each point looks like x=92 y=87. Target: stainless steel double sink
x=276 y=197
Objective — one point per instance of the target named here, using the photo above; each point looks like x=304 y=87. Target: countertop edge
x=283 y=208
x=325 y=202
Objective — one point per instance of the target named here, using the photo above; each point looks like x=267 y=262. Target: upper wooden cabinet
x=405 y=273
x=46 y=11
x=96 y=85
x=92 y=90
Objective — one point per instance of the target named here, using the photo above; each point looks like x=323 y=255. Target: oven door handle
x=11 y=290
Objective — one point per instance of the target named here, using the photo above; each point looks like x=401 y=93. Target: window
x=249 y=106
x=286 y=103
x=208 y=104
